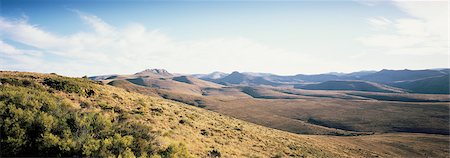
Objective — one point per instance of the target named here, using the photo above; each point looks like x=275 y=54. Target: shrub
x=62 y=85
x=36 y=122
x=176 y=151
x=214 y=153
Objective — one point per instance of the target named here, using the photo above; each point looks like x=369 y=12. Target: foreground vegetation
x=56 y=116
x=51 y=115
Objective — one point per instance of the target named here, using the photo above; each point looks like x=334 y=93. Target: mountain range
x=148 y=114
x=431 y=81
x=273 y=100
x=387 y=113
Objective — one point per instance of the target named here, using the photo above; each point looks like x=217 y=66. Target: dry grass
x=319 y=112
x=204 y=131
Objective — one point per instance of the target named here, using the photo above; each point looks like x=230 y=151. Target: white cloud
x=109 y=50
x=369 y=2
x=380 y=22
x=98 y=24
x=425 y=33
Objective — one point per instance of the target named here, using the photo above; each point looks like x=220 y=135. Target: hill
x=213 y=75
x=50 y=115
x=430 y=85
x=300 y=78
x=237 y=78
x=154 y=73
x=195 y=81
x=75 y=116
x=389 y=76
x=352 y=85
x=393 y=78
x=280 y=108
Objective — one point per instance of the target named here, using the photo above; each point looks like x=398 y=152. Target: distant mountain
x=359 y=73
x=258 y=74
x=351 y=85
x=389 y=76
x=213 y=75
x=353 y=74
x=416 y=81
x=237 y=78
x=300 y=78
x=196 y=82
x=433 y=85
x=446 y=71
x=103 y=77
x=154 y=72
x=320 y=77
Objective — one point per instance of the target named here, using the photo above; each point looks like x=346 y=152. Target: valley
x=175 y=129
x=330 y=112
x=224 y=79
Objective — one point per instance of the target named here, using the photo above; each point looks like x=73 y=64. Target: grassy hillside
x=431 y=85
x=389 y=76
x=319 y=112
x=351 y=85
x=50 y=115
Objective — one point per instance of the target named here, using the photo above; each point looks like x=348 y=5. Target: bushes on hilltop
x=34 y=121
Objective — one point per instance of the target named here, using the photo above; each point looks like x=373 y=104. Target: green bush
x=36 y=122
x=63 y=85
x=176 y=151
x=214 y=153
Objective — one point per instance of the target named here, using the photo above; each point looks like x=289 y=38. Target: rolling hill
x=390 y=76
x=352 y=85
x=430 y=85
x=213 y=75
x=51 y=115
x=254 y=103
x=237 y=78
x=154 y=73
x=400 y=79
x=297 y=110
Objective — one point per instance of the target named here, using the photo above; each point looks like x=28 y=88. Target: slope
x=353 y=85
x=80 y=117
x=51 y=115
x=388 y=76
x=237 y=78
x=431 y=85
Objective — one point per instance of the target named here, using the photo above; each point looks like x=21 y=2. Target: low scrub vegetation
x=35 y=121
x=46 y=115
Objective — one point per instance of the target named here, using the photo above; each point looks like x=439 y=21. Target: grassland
x=142 y=125
x=319 y=112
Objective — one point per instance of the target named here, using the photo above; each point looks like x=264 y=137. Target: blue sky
x=79 y=38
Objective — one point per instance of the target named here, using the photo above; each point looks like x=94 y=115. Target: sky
x=77 y=38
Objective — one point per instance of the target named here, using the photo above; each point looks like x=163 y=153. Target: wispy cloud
x=379 y=22
x=425 y=33
x=108 y=49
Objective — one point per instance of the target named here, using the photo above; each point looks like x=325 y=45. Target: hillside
x=389 y=76
x=352 y=85
x=213 y=75
x=154 y=73
x=51 y=115
x=404 y=79
x=430 y=85
x=303 y=111
x=195 y=81
x=237 y=78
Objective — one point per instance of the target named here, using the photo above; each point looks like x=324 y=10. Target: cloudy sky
x=77 y=38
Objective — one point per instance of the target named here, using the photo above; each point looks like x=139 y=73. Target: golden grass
x=204 y=131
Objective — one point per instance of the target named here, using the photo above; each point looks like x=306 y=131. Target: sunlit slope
x=50 y=115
